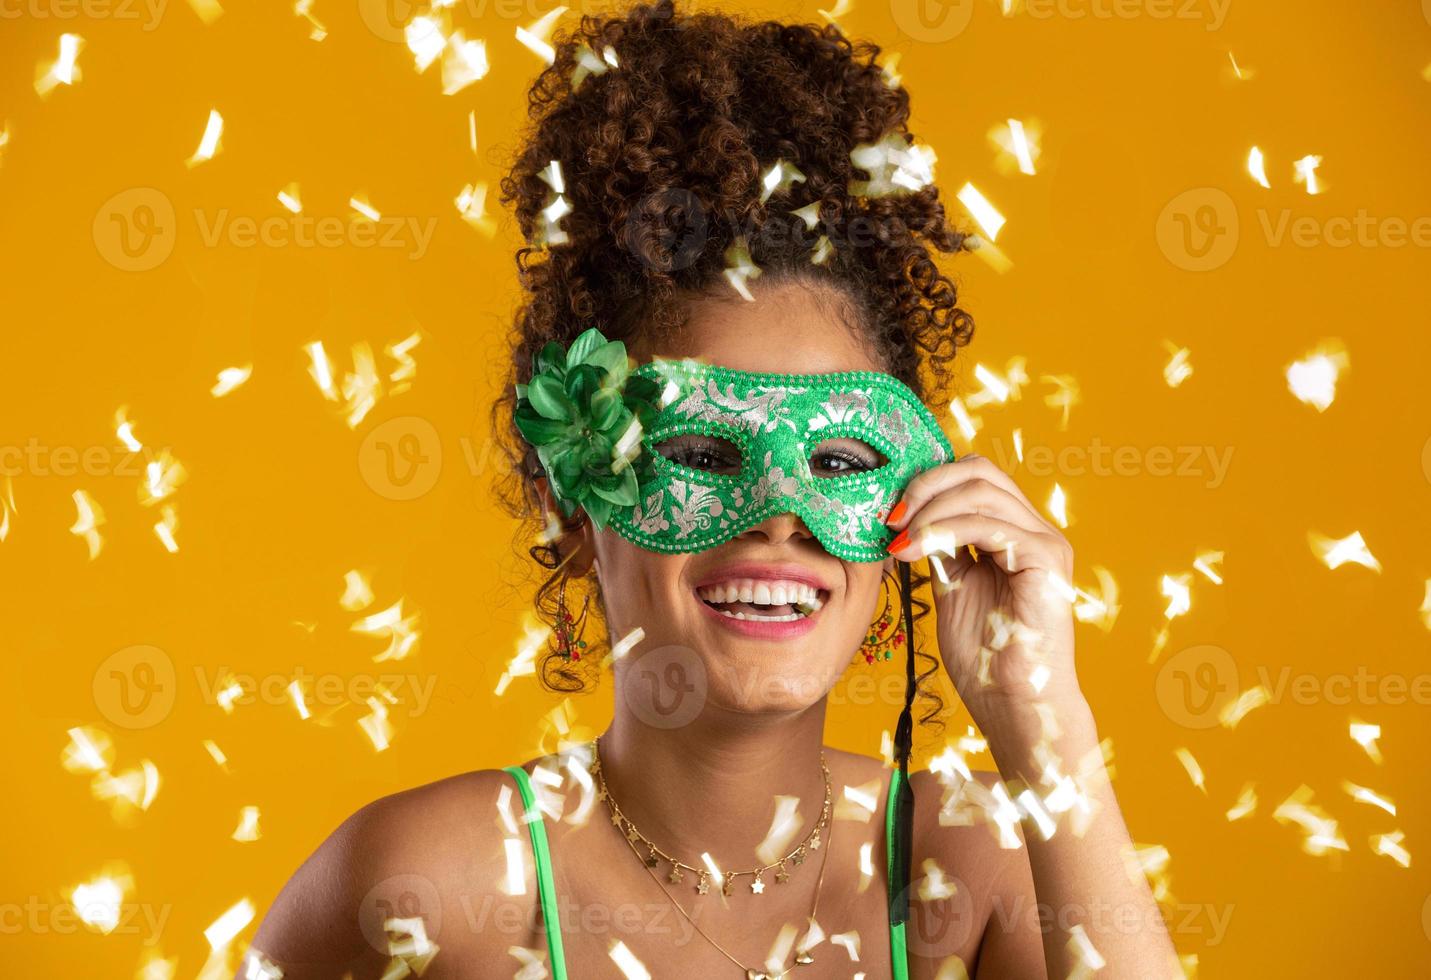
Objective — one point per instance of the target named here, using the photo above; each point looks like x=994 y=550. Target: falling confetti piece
x=588 y=64
x=7 y=507
x=989 y=219
x=535 y=36
x=1305 y=171
x=401 y=631
x=1177 y=370
x=1206 y=565
x=357 y=592
x=64 y=70
x=1321 y=834
x=1246 y=803
x=166 y=526
x=1363 y=795
x=1314 y=378
x=216 y=753
x=1179 y=595
x=895 y=166
x=304 y=9
x=230 y=924
x=162 y=475
x=1257 y=167
x=231 y=378
x=1065 y=396
x=209 y=144
x=1239 y=72
x=290 y=200
x=779 y=178
x=739 y=267
x=359 y=203
x=1390 y=845
x=1058 y=506
x=472 y=205
x=90 y=517
x=1366 y=735
x=1000 y=389
x=463 y=62
x=1425 y=609
x=208 y=10
x=98 y=902
x=1234 y=711
x=89 y=750
x=1337 y=552
x=1019 y=143
x=1191 y=765
x=631 y=968
x=247 y=829
x=299 y=699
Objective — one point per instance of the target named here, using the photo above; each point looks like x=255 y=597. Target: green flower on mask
x=585 y=412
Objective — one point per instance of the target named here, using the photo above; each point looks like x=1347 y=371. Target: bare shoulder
x=435 y=851
x=967 y=872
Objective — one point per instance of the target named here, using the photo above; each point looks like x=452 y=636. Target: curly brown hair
x=662 y=157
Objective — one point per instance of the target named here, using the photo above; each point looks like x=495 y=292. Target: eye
x=700 y=452
x=836 y=457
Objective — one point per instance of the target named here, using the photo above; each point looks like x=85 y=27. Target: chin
x=755 y=681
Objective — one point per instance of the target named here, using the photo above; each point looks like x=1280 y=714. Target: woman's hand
x=1001 y=617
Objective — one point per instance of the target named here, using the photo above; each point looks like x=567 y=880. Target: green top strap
x=546 y=888
x=898 y=952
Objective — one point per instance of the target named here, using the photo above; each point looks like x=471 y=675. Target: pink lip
x=769 y=571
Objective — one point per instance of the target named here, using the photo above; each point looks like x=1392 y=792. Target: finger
x=928 y=484
x=1011 y=547
x=978 y=496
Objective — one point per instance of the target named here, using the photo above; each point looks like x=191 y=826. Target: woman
x=709 y=827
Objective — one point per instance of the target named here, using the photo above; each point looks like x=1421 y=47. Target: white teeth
x=763 y=592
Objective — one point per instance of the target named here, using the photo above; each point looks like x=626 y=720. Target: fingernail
x=900 y=540
x=897 y=513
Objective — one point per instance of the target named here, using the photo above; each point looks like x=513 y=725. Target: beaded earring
x=569 y=632
x=876 y=645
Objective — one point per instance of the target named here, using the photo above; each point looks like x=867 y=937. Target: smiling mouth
x=783 y=603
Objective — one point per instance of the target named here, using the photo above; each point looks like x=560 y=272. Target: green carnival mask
x=680 y=455
x=730 y=448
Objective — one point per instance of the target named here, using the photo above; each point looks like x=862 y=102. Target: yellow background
x=1137 y=105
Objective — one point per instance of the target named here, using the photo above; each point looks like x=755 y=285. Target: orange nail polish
x=899 y=541
x=897 y=513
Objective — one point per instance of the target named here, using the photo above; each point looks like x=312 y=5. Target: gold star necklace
x=653 y=856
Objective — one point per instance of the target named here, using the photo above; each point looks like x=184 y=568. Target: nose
x=779 y=528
